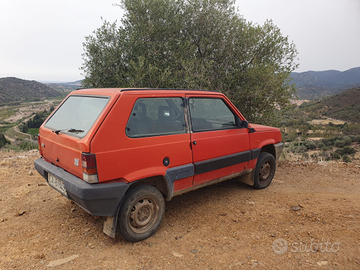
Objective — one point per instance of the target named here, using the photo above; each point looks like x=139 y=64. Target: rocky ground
x=308 y=218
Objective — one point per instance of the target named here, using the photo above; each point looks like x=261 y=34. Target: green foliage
x=202 y=44
x=311 y=145
x=326 y=142
x=346 y=159
x=32 y=125
x=346 y=150
x=37 y=120
x=347 y=140
x=3 y=140
x=28 y=145
x=291 y=136
x=340 y=143
x=33 y=131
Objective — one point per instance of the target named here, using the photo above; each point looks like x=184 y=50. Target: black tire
x=140 y=213
x=264 y=170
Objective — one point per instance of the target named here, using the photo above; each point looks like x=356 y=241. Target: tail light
x=89 y=168
x=39 y=145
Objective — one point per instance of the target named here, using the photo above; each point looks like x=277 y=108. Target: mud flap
x=110 y=226
x=247 y=178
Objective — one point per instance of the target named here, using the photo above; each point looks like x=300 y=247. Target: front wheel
x=141 y=213
x=264 y=170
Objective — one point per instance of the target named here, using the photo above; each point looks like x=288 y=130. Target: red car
x=120 y=153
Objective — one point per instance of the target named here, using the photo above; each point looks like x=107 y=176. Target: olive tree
x=201 y=44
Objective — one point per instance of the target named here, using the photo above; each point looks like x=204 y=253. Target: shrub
x=299 y=149
x=305 y=155
x=23 y=128
x=347 y=140
x=349 y=150
x=340 y=151
x=336 y=155
x=346 y=159
x=355 y=138
x=3 y=140
x=311 y=145
x=326 y=142
x=339 y=143
x=28 y=145
x=321 y=145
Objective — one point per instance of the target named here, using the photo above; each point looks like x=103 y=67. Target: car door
x=220 y=147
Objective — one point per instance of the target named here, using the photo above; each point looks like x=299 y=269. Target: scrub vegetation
x=310 y=133
x=19 y=124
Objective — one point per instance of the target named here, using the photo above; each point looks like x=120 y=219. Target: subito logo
x=280 y=246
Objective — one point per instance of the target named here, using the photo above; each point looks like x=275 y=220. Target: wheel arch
x=270 y=148
x=157 y=181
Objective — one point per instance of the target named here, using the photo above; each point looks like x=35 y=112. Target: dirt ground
x=308 y=218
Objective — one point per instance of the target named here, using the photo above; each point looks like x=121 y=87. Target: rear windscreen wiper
x=72 y=130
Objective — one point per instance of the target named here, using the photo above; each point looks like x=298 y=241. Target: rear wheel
x=264 y=170
x=141 y=213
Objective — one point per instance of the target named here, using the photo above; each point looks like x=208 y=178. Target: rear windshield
x=77 y=115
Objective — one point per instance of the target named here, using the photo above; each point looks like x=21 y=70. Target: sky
x=42 y=39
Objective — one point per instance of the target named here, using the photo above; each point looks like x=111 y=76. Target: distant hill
x=344 y=106
x=67 y=87
x=17 y=90
x=315 y=84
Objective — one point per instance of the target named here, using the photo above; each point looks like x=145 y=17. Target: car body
x=120 y=153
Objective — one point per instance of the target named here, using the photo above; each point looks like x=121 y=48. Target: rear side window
x=156 y=116
x=77 y=114
x=210 y=114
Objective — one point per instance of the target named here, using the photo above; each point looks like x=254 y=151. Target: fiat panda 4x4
x=120 y=153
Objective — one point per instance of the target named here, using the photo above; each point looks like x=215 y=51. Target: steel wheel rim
x=265 y=171
x=143 y=215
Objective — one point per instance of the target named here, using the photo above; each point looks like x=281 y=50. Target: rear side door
x=220 y=148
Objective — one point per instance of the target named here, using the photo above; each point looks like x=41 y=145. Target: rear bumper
x=97 y=199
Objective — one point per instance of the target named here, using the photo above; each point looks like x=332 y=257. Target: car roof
x=143 y=89
x=164 y=89
x=115 y=91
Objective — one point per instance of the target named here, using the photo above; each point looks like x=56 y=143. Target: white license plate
x=57 y=184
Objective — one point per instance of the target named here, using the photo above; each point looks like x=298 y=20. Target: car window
x=210 y=114
x=156 y=116
x=77 y=114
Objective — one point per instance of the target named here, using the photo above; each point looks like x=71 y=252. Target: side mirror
x=245 y=124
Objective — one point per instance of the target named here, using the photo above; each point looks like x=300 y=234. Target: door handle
x=194 y=142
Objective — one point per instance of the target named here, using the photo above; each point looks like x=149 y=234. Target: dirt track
x=314 y=209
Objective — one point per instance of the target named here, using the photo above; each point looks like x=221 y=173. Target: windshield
x=77 y=115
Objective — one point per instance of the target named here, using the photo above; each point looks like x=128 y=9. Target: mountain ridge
x=315 y=84
x=13 y=89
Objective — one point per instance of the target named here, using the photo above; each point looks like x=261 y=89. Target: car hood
x=261 y=128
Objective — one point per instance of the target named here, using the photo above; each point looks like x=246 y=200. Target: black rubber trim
x=97 y=199
x=222 y=162
x=255 y=153
x=177 y=173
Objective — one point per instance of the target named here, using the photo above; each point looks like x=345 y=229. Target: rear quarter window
x=77 y=114
x=156 y=116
